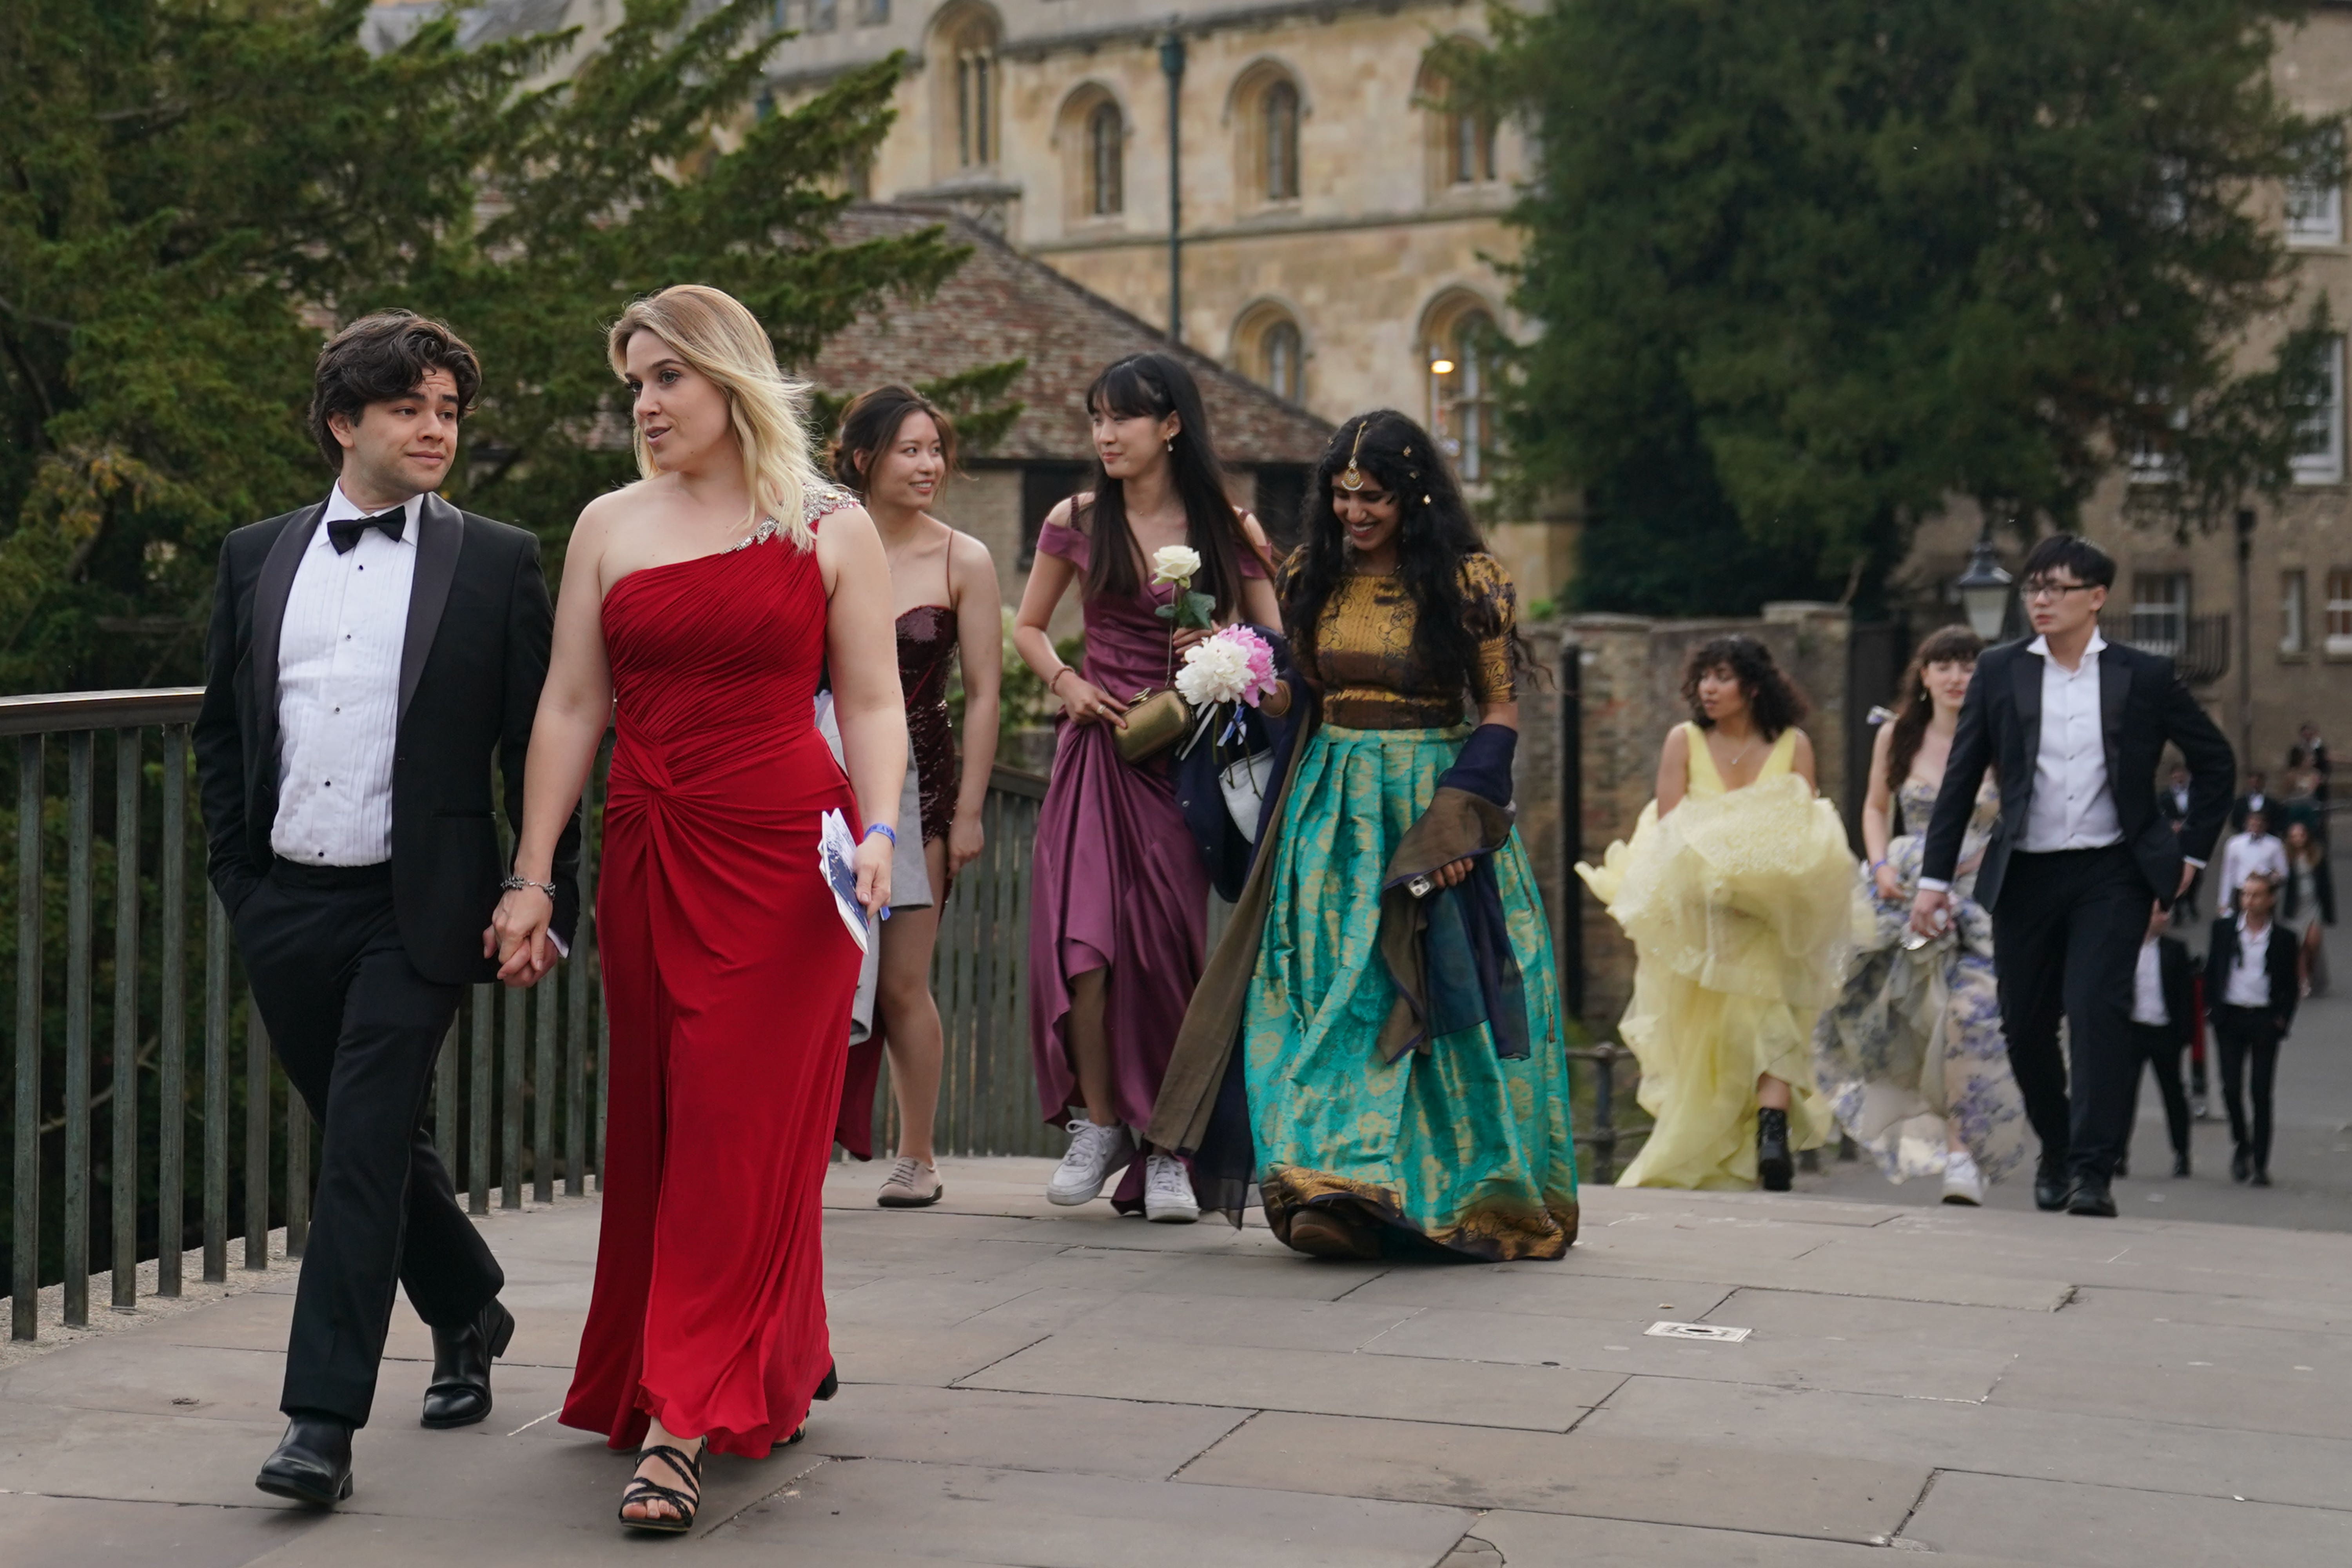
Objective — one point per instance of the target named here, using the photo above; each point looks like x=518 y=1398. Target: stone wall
x=1627 y=674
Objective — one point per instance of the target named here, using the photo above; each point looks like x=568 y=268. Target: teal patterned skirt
x=1455 y=1146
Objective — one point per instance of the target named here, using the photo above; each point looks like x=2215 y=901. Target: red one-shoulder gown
x=727 y=981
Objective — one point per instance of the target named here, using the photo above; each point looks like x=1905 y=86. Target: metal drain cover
x=1697 y=1331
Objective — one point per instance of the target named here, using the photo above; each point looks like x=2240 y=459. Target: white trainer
x=1096 y=1153
x=1167 y=1191
x=1963 y=1182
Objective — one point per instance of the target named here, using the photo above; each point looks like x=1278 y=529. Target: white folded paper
x=835 y=857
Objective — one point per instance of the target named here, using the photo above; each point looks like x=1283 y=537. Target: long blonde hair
x=712 y=332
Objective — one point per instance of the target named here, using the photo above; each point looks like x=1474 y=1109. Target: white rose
x=1174 y=563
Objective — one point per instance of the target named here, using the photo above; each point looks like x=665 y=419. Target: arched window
x=1270 y=350
x=1278 y=128
x=1462 y=343
x=1106 y=161
x=964 y=46
x=1461 y=135
x=1470 y=139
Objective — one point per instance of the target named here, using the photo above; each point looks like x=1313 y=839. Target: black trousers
x=358 y=1028
x=2159 y=1045
x=2066 y=936
x=2247 y=1035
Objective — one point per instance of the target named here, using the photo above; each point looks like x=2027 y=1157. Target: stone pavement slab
x=1027 y=1385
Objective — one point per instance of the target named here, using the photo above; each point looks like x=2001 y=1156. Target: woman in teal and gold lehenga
x=1377 y=1041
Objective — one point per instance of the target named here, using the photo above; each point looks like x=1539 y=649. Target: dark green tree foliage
x=1804 y=270
x=192 y=190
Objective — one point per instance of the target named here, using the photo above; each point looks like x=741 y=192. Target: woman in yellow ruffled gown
x=1735 y=892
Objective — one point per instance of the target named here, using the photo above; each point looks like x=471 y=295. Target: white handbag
x=1243 y=783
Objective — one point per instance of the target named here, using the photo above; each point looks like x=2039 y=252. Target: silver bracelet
x=516 y=884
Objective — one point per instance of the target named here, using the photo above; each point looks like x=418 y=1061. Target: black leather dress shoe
x=459 y=1393
x=2052 y=1185
x=312 y=1464
x=2123 y=1167
x=2242 y=1163
x=2180 y=1163
x=2092 y=1196
x=2262 y=1176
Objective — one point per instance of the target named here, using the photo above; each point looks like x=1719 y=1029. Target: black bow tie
x=344 y=531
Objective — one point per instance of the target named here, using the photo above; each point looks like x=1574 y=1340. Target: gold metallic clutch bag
x=1155 y=722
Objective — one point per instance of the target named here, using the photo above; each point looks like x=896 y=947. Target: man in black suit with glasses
x=2076 y=727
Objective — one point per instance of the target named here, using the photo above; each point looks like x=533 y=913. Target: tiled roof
x=1002 y=305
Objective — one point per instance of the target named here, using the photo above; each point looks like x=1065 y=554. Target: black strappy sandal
x=683 y=1503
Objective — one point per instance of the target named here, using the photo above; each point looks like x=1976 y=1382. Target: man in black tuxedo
x=2256 y=798
x=2254 y=977
x=2076 y=727
x=371 y=655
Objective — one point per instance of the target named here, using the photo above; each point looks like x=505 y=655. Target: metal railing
x=146 y=1114
x=132 y=1020
x=2198 y=646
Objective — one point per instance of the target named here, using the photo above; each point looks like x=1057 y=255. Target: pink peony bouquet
x=1236 y=665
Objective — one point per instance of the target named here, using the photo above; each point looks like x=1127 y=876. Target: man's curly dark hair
x=1773 y=700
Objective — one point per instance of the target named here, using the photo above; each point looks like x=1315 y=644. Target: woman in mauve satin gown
x=698 y=607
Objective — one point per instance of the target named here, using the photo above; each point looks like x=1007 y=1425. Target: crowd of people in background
x=1325 y=734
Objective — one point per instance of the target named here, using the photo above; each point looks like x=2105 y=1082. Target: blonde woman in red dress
x=698 y=607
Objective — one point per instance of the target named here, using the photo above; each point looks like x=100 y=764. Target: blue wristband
x=884 y=829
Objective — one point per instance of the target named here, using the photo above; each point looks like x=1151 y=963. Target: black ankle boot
x=1773 y=1165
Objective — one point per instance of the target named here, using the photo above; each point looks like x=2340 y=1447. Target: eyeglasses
x=2034 y=589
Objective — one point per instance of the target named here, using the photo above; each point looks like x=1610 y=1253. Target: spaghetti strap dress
x=728 y=976
x=1738 y=904
x=1118 y=881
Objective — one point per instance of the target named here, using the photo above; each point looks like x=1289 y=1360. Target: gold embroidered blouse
x=1363 y=654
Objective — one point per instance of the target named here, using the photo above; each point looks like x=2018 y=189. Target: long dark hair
x=1774 y=703
x=1154 y=386
x=1434 y=537
x=1946 y=644
x=869 y=428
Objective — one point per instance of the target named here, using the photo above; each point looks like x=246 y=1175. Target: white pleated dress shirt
x=2073 y=806
x=2249 y=982
x=339 y=693
x=2244 y=855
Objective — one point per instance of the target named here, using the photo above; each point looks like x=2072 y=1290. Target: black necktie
x=344 y=531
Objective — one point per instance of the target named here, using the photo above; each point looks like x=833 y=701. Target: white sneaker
x=1963 y=1182
x=1167 y=1191
x=1096 y=1152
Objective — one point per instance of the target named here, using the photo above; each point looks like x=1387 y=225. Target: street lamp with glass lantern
x=1984 y=589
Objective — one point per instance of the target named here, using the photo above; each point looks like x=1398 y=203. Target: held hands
x=1931 y=911
x=517 y=937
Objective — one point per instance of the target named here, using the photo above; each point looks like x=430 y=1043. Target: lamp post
x=1984 y=588
x=2245 y=521
x=1171 y=66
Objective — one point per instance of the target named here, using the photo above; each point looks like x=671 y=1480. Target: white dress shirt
x=2147 y=986
x=2073 y=806
x=2249 y=984
x=2244 y=855
x=339 y=692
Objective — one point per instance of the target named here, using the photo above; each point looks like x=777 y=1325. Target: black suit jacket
x=470 y=668
x=2281 y=960
x=2245 y=803
x=2143 y=706
x=2175 y=976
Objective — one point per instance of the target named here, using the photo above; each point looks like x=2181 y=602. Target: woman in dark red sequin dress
x=895 y=451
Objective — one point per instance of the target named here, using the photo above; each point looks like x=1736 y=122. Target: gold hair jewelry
x=1351 y=478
